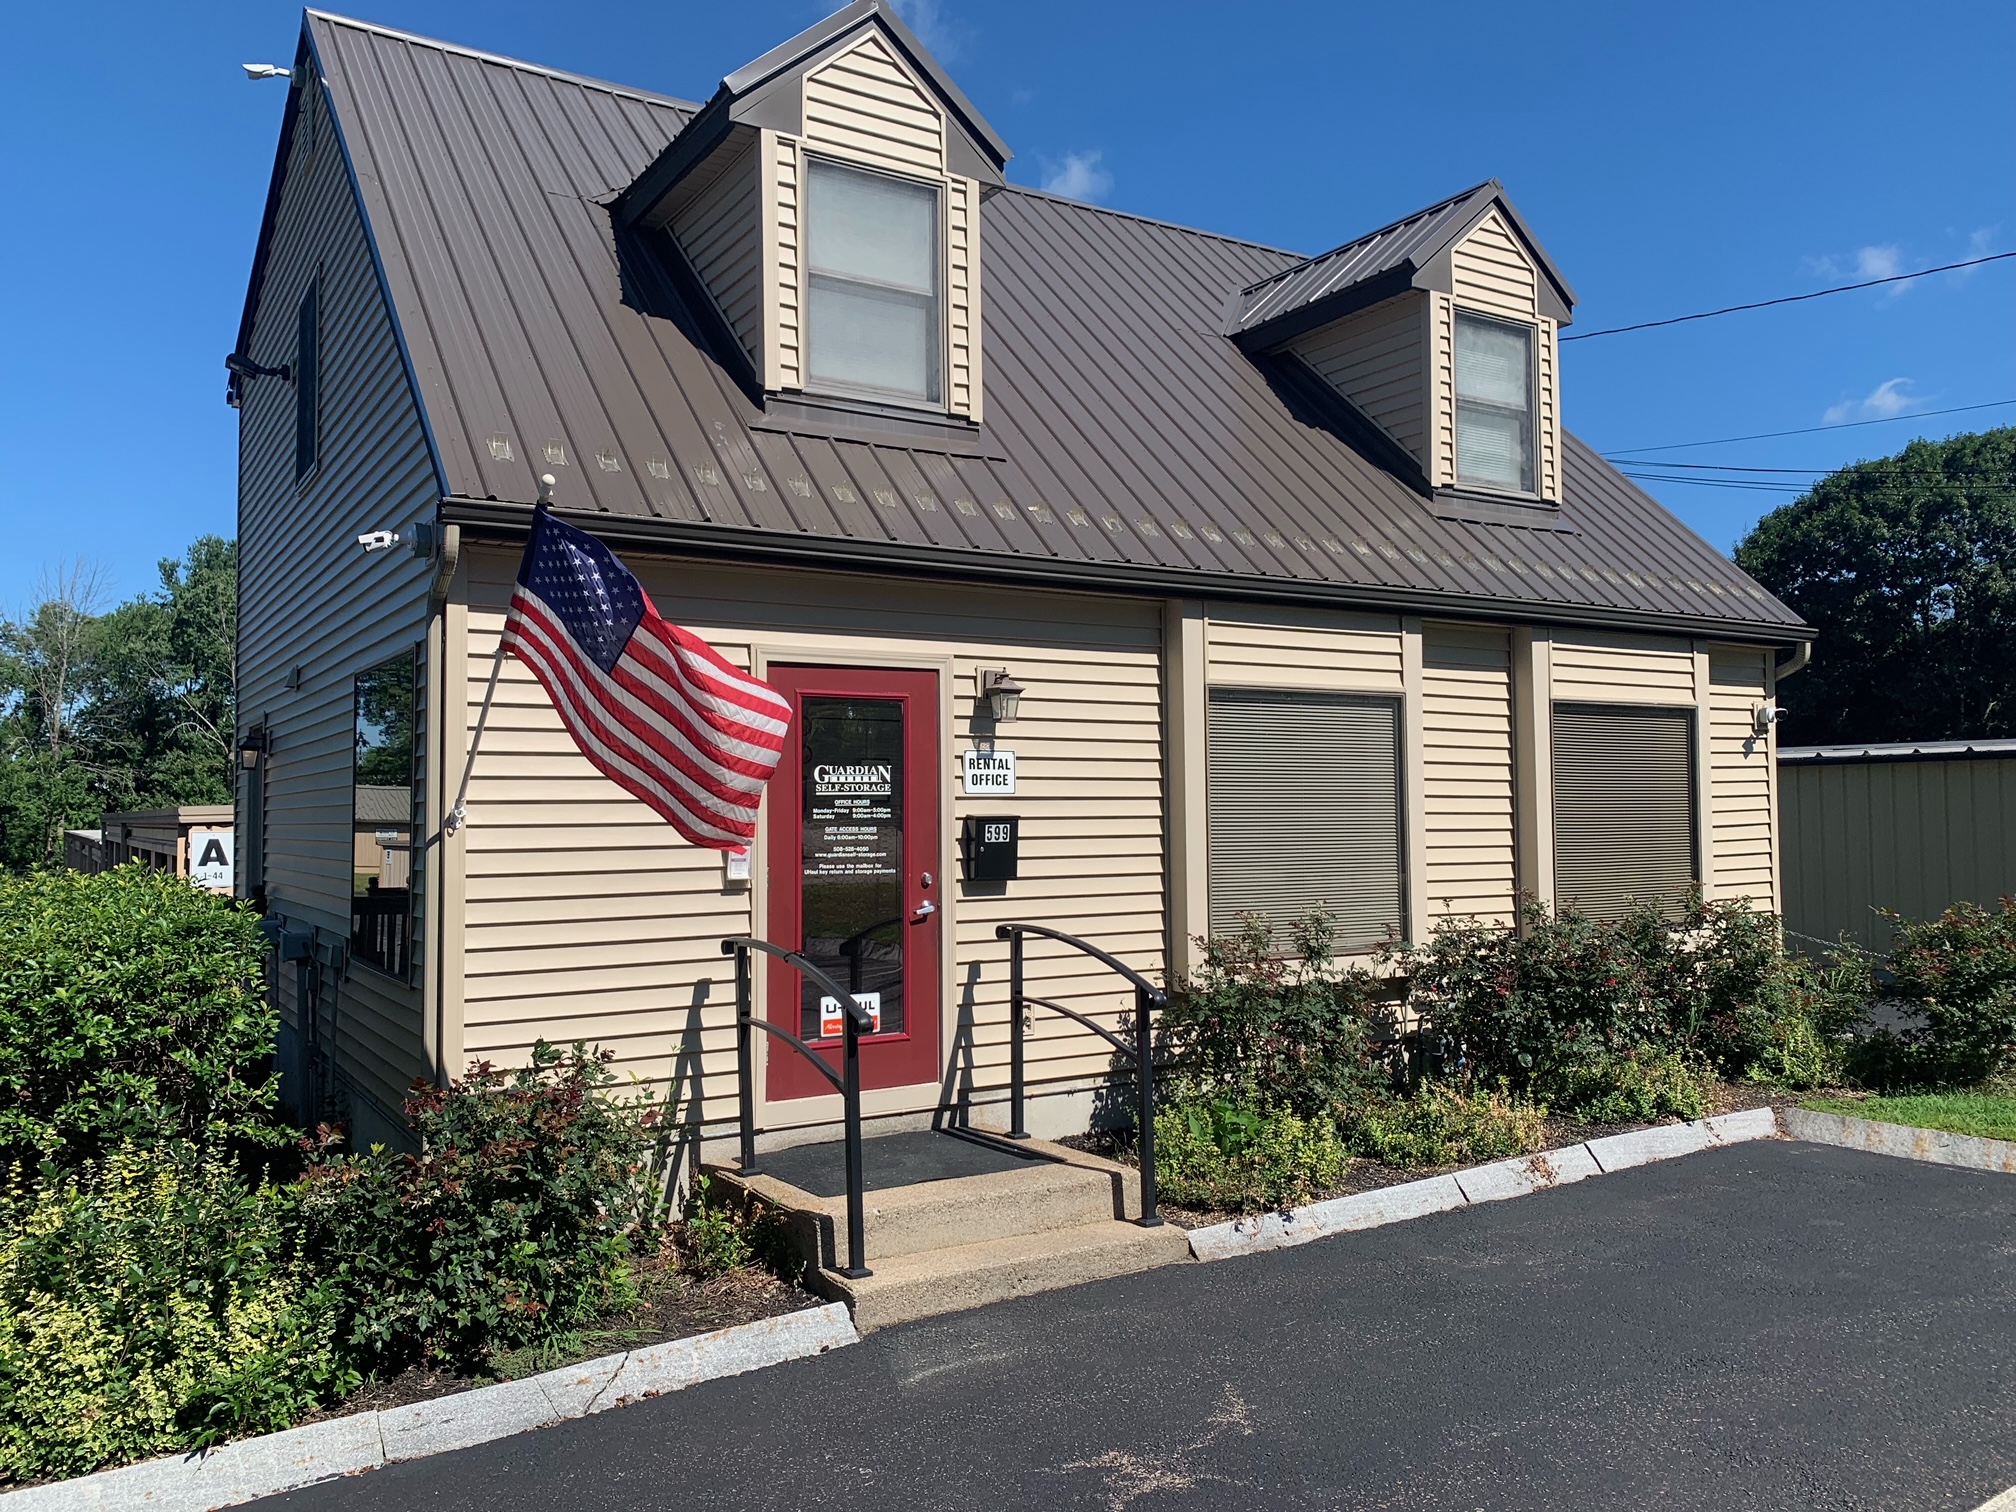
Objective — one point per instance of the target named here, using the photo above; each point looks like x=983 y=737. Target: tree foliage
x=134 y=707
x=1906 y=568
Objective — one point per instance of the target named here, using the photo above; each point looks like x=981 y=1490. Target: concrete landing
x=985 y=1221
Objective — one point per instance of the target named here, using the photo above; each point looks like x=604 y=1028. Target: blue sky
x=1671 y=158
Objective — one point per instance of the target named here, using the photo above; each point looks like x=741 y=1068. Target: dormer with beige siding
x=1442 y=332
x=827 y=201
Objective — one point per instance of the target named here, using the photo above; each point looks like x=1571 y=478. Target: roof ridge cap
x=1393 y=225
x=1150 y=220
x=589 y=81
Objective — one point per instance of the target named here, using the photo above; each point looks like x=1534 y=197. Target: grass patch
x=1987 y=1114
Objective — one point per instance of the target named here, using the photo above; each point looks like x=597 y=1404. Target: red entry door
x=852 y=866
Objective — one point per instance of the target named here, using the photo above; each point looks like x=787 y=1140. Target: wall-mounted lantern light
x=251 y=746
x=1003 y=695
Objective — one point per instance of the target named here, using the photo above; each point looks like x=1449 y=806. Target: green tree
x=132 y=708
x=1906 y=568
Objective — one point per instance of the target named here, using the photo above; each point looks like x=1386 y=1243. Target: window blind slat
x=1303 y=809
x=1623 y=807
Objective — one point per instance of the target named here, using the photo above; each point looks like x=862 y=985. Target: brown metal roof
x=1128 y=442
x=1376 y=266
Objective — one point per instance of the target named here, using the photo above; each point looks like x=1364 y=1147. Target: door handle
x=924 y=911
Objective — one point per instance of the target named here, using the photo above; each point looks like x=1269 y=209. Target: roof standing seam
x=1128 y=431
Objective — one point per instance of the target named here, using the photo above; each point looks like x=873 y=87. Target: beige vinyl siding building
x=1199 y=502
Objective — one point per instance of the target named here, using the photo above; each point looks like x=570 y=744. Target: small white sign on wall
x=211 y=856
x=991 y=773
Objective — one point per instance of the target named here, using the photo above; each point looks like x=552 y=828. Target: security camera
x=266 y=71
x=1762 y=717
x=378 y=540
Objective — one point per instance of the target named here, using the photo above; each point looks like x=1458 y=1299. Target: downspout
x=1783 y=670
x=446 y=560
x=451 y=554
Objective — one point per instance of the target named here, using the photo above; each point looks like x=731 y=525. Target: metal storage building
x=1910 y=827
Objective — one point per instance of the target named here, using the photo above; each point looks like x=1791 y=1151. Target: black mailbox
x=989 y=847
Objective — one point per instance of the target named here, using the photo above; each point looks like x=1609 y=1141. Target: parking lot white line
x=2006 y=1502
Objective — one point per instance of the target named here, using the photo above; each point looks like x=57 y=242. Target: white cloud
x=1078 y=176
x=1980 y=243
x=927 y=19
x=1878 y=262
x=1887 y=399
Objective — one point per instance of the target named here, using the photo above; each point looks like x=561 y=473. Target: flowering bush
x=1959 y=973
x=514 y=1224
x=1286 y=1028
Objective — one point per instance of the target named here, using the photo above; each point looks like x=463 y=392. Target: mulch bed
x=676 y=1306
x=1363 y=1175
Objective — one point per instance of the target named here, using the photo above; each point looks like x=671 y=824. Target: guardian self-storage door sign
x=989 y=772
x=852 y=854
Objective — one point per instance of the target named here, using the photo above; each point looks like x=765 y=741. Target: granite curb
x=1936 y=1146
x=277 y=1462
x=1486 y=1183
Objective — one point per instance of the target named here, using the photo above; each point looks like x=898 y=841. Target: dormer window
x=874 y=321
x=1494 y=403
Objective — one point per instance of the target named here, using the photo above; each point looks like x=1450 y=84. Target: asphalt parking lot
x=1767 y=1325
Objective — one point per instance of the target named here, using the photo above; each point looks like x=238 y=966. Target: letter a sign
x=210 y=857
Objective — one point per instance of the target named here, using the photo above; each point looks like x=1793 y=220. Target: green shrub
x=1558 y=1002
x=1959 y=972
x=1633 y=1086
x=1444 y=1123
x=719 y=1235
x=514 y=1224
x=1284 y=1027
x=715 y=1240
x=1243 y=1157
x=1799 y=1030
x=1513 y=1005
x=152 y=1302
x=131 y=1008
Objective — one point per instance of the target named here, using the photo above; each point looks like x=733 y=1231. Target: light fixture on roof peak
x=266 y=71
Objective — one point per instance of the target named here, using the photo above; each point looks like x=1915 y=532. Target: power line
x=1881 y=466
x=1620 y=453
x=1762 y=304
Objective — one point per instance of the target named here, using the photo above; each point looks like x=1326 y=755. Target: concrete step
x=1068 y=1190
x=930 y=1282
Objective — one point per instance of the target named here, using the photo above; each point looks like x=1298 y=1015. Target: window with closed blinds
x=1623 y=807
x=1303 y=805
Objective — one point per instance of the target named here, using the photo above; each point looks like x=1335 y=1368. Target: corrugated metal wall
x=1915 y=836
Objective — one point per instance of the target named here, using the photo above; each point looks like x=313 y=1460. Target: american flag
x=654 y=707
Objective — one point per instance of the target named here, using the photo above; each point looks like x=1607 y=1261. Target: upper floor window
x=1494 y=403
x=307 y=386
x=874 y=320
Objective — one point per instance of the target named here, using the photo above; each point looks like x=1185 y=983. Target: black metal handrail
x=851 y=949
x=847 y=1081
x=1147 y=999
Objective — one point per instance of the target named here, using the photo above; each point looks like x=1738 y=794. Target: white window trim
x=940 y=187
x=1460 y=313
